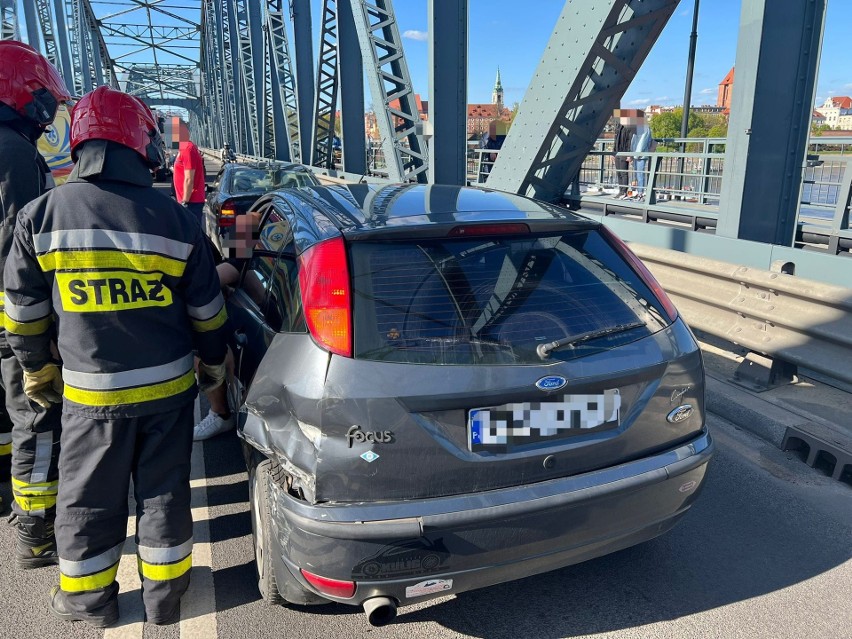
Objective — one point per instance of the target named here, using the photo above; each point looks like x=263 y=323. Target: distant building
x=726 y=88
x=371 y=123
x=656 y=109
x=838 y=112
x=709 y=109
x=817 y=118
x=480 y=116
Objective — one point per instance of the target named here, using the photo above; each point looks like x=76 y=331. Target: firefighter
x=131 y=281
x=31 y=90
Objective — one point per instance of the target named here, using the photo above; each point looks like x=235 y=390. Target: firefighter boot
x=103 y=618
x=36 y=543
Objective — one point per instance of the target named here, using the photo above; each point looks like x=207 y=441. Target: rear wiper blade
x=544 y=350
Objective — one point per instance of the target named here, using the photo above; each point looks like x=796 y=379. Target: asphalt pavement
x=765 y=553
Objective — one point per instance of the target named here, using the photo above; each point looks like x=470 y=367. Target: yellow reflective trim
x=203 y=326
x=42 y=488
x=41 y=502
x=110 y=259
x=131 y=395
x=27 y=328
x=5 y=449
x=95 y=581
x=164 y=572
x=103 y=291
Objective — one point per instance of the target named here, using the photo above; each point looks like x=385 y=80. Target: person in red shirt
x=189 y=176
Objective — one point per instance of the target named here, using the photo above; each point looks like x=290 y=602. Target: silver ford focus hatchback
x=445 y=388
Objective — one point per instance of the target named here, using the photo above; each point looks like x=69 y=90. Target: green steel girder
x=594 y=53
x=9 y=26
x=285 y=104
x=393 y=95
x=325 y=103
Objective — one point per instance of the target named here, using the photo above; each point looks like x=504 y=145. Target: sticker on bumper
x=428 y=587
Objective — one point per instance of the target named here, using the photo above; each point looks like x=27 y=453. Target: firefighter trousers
x=99 y=457
x=35 y=450
x=5 y=440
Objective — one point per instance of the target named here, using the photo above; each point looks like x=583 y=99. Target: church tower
x=497 y=95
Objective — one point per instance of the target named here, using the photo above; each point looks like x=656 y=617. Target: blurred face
x=245 y=236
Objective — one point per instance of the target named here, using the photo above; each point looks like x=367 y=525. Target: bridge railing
x=683 y=187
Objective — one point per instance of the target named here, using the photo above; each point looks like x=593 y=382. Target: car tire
x=261 y=521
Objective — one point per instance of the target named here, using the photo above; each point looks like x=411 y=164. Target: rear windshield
x=247 y=179
x=493 y=301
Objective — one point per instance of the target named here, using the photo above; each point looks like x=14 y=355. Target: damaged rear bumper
x=474 y=540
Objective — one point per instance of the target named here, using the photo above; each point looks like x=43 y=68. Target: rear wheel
x=262 y=528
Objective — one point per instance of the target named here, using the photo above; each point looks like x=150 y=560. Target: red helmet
x=29 y=84
x=109 y=114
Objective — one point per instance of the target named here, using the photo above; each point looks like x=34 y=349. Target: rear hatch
x=236 y=205
x=497 y=356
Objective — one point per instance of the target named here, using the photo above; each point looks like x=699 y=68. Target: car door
x=257 y=307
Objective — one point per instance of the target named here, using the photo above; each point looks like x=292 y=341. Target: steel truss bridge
x=250 y=73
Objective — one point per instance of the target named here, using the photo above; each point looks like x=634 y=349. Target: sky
x=500 y=34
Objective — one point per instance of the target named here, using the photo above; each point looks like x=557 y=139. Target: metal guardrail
x=799 y=321
x=683 y=188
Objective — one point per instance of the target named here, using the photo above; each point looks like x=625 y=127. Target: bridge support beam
x=32 y=26
x=448 y=21
x=60 y=24
x=303 y=43
x=776 y=69
x=351 y=76
x=594 y=53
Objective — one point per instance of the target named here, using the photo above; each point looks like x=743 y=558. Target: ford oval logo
x=680 y=414
x=551 y=383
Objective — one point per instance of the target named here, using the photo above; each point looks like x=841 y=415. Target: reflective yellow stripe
x=202 y=326
x=111 y=291
x=27 y=328
x=103 y=259
x=5 y=449
x=164 y=572
x=95 y=581
x=131 y=395
x=41 y=502
x=42 y=488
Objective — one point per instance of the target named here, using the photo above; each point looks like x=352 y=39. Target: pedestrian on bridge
x=189 y=179
x=31 y=91
x=132 y=283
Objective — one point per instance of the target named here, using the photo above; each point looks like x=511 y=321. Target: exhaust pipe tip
x=380 y=611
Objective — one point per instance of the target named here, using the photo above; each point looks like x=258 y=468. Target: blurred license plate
x=519 y=424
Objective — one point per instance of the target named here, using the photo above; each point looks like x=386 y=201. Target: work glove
x=44 y=386
x=210 y=376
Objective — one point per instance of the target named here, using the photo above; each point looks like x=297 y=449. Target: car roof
x=265 y=166
x=367 y=207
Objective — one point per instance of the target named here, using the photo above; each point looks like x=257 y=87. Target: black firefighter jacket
x=130 y=282
x=24 y=176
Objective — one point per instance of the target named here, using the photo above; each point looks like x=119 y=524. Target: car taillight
x=642 y=271
x=227 y=214
x=324 y=279
x=506 y=228
x=331 y=587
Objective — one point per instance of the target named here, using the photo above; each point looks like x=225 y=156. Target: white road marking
x=131 y=624
x=198 y=606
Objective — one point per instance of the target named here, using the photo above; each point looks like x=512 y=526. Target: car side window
x=257 y=276
x=271 y=278
x=284 y=311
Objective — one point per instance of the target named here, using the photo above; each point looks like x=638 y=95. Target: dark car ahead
x=447 y=388
x=237 y=186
